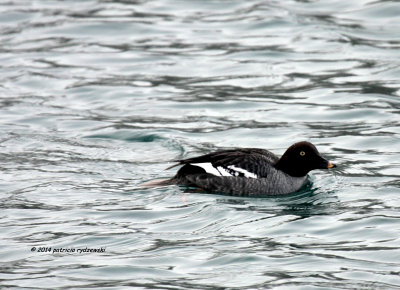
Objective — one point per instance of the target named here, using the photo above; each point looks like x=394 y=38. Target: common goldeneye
x=248 y=171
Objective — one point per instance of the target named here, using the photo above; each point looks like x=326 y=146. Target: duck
x=248 y=171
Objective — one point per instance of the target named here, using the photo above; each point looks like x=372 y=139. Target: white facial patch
x=244 y=171
x=220 y=171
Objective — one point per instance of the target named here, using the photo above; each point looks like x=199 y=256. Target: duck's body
x=249 y=171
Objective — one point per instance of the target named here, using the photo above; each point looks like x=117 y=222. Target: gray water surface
x=97 y=97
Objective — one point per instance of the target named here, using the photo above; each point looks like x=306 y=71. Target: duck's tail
x=158 y=182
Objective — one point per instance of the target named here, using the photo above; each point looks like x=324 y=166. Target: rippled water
x=99 y=96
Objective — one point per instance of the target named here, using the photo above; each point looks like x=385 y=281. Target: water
x=99 y=96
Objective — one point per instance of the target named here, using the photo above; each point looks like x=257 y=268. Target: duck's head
x=301 y=158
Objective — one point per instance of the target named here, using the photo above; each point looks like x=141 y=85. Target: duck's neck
x=290 y=168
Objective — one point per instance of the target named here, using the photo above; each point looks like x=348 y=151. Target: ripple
x=99 y=96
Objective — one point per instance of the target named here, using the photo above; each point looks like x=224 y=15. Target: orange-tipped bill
x=331 y=165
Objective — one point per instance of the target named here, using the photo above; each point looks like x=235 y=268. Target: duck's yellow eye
x=302 y=153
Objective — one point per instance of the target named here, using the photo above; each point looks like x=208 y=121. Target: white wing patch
x=220 y=171
x=244 y=171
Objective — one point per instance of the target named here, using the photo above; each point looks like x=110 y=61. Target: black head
x=301 y=158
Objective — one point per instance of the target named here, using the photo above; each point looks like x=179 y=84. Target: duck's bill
x=325 y=164
x=331 y=165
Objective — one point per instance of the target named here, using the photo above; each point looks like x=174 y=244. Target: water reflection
x=98 y=96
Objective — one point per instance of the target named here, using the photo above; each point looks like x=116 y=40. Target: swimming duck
x=248 y=171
